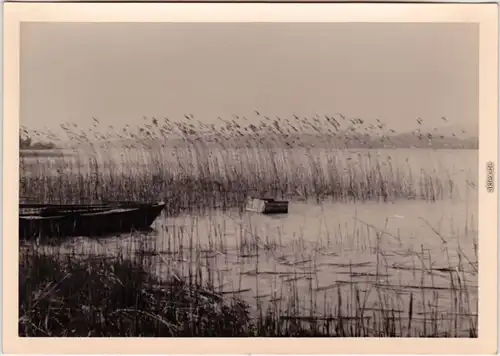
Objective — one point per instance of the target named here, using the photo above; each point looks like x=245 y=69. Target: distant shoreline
x=43 y=152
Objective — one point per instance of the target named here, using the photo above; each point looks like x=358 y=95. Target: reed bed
x=195 y=176
x=194 y=164
x=253 y=286
x=191 y=281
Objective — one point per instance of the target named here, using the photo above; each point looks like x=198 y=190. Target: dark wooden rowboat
x=50 y=220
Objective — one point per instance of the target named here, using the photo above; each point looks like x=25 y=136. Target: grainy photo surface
x=248 y=179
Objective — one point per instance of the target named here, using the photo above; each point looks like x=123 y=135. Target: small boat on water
x=266 y=205
x=50 y=220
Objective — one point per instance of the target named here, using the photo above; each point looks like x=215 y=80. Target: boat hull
x=84 y=222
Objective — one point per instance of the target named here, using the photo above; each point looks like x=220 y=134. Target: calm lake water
x=316 y=251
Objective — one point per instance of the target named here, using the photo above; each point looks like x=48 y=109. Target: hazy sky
x=121 y=72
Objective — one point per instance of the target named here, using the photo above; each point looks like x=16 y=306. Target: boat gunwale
x=89 y=206
x=68 y=212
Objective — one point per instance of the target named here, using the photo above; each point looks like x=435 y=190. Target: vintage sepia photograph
x=250 y=179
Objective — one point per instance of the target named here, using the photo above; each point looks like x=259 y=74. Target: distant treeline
x=26 y=143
